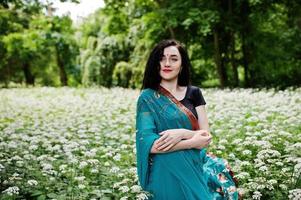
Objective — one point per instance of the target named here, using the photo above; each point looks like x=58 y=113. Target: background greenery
x=232 y=43
x=79 y=143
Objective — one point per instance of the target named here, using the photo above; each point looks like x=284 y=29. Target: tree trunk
x=245 y=61
x=233 y=63
x=245 y=10
x=218 y=59
x=232 y=46
x=61 y=65
x=29 y=78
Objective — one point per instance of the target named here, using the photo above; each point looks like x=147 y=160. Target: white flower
x=1 y=167
x=272 y=182
x=279 y=163
x=256 y=195
x=221 y=147
x=297 y=170
x=141 y=196
x=47 y=166
x=263 y=168
x=63 y=167
x=80 y=178
x=232 y=156
x=94 y=170
x=133 y=170
x=117 y=157
x=245 y=163
x=135 y=188
x=83 y=164
x=295 y=194
x=114 y=169
x=242 y=175
x=246 y=152
x=283 y=186
x=32 y=182
x=81 y=186
x=124 y=189
x=12 y=190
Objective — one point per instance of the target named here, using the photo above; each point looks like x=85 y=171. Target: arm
x=171 y=137
x=187 y=134
x=183 y=144
x=199 y=140
x=202 y=118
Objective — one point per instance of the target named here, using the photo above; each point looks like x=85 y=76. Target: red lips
x=166 y=70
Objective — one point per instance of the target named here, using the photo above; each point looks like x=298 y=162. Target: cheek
x=179 y=65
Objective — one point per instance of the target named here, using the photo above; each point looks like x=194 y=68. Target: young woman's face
x=170 y=63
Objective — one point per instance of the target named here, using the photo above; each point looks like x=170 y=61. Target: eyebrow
x=173 y=55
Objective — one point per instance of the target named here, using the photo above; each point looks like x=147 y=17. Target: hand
x=168 y=139
x=200 y=139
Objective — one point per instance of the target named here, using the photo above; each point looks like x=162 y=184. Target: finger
x=159 y=145
x=168 y=139
x=161 y=133
x=164 y=145
x=208 y=142
x=169 y=147
x=161 y=139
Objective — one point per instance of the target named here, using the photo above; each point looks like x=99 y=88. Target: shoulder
x=197 y=96
x=144 y=95
x=195 y=89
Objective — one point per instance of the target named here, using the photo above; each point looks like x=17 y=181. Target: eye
x=174 y=59
x=163 y=58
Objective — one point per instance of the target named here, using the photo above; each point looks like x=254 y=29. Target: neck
x=171 y=86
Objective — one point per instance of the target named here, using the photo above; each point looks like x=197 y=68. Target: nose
x=167 y=63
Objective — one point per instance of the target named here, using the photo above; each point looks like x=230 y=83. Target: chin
x=168 y=78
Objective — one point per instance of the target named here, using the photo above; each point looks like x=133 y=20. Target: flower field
x=67 y=143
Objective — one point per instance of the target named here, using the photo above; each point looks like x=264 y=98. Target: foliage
x=246 y=43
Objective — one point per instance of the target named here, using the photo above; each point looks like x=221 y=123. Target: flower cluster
x=57 y=143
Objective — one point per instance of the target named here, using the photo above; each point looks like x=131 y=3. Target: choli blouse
x=193 y=98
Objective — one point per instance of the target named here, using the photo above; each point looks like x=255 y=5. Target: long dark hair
x=152 y=76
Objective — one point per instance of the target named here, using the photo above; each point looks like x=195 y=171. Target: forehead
x=171 y=50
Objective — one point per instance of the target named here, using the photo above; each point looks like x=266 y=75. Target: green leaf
x=36 y=193
x=41 y=197
x=52 y=195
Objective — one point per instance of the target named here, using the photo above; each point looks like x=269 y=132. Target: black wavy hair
x=152 y=76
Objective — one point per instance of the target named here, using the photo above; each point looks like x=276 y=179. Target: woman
x=172 y=132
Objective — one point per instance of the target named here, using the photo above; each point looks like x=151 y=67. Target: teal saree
x=189 y=174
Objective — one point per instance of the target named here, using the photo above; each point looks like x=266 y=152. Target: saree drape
x=189 y=174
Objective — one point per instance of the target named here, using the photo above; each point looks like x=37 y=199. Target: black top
x=193 y=98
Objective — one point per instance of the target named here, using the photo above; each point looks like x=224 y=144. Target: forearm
x=187 y=134
x=183 y=144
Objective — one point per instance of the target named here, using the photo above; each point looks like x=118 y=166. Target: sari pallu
x=184 y=174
